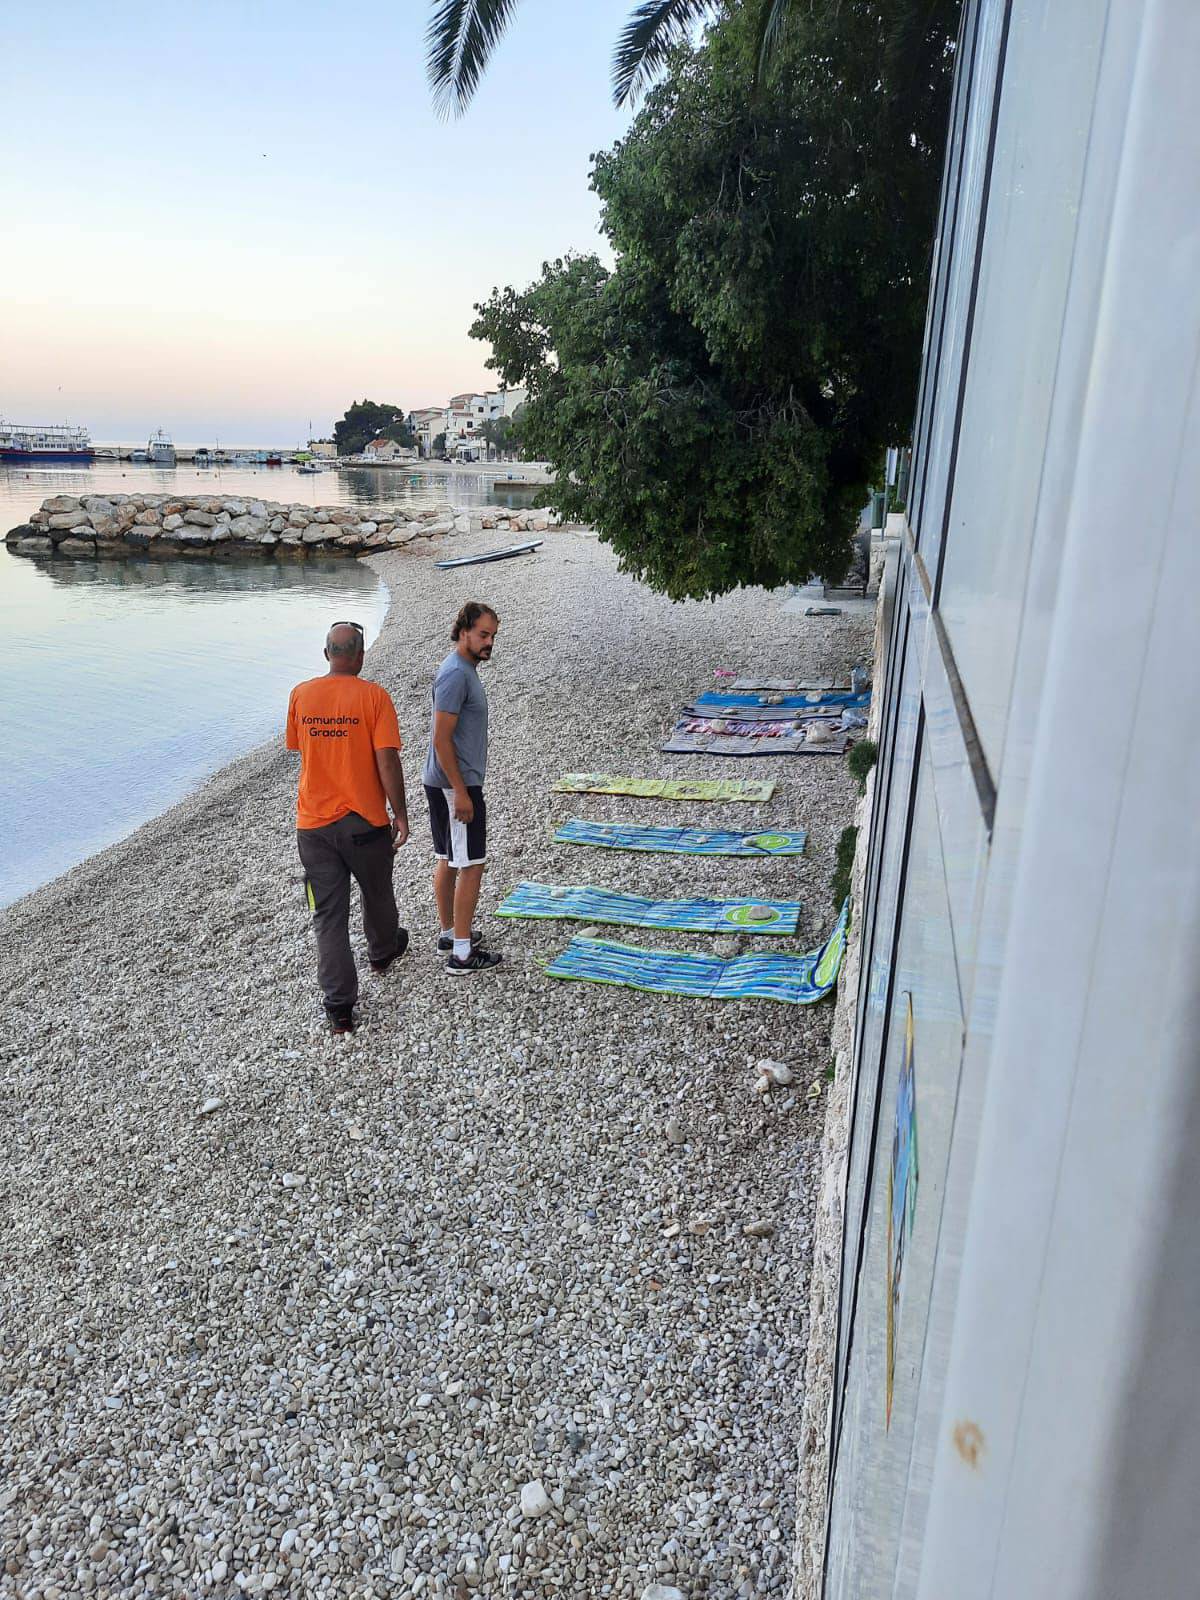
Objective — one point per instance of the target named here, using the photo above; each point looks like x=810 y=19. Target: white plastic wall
x=1034 y=874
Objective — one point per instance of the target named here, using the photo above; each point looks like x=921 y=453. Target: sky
x=227 y=218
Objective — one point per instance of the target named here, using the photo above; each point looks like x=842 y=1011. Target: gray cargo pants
x=354 y=848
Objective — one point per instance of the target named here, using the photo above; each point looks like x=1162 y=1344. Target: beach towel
x=792 y=978
x=680 y=841
x=753 y=715
x=583 y=903
x=729 y=744
x=715 y=699
x=785 y=685
x=709 y=789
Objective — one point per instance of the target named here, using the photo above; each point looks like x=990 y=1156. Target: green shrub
x=843 y=865
x=861 y=759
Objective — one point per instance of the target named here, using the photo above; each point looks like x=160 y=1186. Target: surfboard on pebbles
x=493 y=555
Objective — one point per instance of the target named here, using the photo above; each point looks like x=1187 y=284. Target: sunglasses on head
x=345 y=624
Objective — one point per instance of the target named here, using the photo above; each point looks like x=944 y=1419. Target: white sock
x=462 y=949
x=447 y=933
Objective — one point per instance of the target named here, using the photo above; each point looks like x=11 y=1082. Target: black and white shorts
x=462 y=844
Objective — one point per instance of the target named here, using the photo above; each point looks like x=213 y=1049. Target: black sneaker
x=477 y=961
x=446 y=941
x=340 y=1021
x=382 y=966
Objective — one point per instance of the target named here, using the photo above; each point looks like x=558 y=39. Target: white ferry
x=160 y=450
x=21 y=441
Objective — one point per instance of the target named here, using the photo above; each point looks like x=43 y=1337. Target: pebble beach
x=505 y=1293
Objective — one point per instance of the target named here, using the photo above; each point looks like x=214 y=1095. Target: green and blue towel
x=681 y=841
x=794 y=979
x=582 y=903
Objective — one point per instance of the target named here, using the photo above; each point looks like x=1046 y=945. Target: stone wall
x=215 y=525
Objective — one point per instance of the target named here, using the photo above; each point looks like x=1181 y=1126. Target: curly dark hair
x=469 y=616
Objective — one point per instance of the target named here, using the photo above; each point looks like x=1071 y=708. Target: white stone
x=662 y=1591
x=535 y=1502
x=213 y=1103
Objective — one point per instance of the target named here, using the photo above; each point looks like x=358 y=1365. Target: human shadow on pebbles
x=292 y=1313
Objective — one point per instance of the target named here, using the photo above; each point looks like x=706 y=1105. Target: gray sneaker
x=477 y=961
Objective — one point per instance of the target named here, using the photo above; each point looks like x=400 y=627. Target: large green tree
x=369 y=419
x=716 y=404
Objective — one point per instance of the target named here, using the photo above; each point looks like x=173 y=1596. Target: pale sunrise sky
x=226 y=218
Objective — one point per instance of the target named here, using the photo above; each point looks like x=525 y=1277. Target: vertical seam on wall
x=883 y=788
x=917 y=498
x=910 y=813
x=973 y=300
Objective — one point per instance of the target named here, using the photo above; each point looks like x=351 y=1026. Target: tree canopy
x=369 y=419
x=716 y=404
x=499 y=435
x=462 y=34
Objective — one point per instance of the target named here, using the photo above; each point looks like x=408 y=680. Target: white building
x=427 y=423
x=389 y=450
x=467 y=414
x=1015 y=1413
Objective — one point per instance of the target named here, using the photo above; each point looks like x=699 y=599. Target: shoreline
x=233 y=772
x=233 y=1242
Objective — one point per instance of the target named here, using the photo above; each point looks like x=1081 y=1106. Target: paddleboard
x=493 y=555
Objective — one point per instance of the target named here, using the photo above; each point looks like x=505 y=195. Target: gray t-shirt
x=457 y=689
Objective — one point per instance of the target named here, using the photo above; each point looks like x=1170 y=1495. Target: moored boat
x=160 y=450
x=21 y=441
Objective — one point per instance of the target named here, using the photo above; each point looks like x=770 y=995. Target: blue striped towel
x=820 y=697
x=797 y=980
x=553 y=902
x=681 y=841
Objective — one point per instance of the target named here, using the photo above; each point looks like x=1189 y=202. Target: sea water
x=125 y=683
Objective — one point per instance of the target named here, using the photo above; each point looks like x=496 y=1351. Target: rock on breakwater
x=214 y=525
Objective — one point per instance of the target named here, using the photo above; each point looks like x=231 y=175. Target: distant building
x=462 y=421
x=467 y=414
x=389 y=450
x=324 y=448
x=427 y=423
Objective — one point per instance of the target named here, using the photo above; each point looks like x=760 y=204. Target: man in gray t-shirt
x=454 y=772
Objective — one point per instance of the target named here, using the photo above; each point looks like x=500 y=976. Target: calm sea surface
x=123 y=684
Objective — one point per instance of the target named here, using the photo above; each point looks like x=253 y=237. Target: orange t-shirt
x=337 y=723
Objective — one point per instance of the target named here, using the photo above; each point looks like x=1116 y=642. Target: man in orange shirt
x=346 y=731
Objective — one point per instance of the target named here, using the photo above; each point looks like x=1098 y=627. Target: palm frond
x=771 y=17
x=459 y=42
x=653 y=30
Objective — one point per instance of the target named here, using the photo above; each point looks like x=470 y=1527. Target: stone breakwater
x=214 y=525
